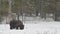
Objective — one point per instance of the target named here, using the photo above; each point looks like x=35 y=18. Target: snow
x=29 y=19
x=33 y=27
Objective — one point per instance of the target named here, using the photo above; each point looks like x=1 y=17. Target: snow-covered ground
x=33 y=27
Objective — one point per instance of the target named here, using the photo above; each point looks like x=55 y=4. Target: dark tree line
x=29 y=7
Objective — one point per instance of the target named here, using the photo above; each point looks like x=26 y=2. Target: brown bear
x=16 y=24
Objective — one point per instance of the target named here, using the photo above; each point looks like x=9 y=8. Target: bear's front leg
x=16 y=27
x=11 y=27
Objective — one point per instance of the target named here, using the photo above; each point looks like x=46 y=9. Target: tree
x=3 y=7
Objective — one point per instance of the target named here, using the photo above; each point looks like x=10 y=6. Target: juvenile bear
x=16 y=24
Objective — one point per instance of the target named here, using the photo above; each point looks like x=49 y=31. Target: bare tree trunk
x=9 y=7
x=36 y=12
x=18 y=15
x=9 y=11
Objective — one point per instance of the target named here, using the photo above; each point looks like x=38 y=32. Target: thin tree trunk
x=10 y=7
x=9 y=11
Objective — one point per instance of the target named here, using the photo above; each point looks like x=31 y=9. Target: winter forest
x=36 y=16
x=45 y=9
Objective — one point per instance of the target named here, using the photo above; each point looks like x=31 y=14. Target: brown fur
x=16 y=24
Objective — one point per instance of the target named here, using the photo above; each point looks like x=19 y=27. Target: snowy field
x=33 y=27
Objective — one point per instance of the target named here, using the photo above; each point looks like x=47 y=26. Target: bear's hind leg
x=22 y=27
